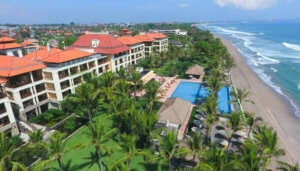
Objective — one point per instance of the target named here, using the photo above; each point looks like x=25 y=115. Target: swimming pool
x=189 y=91
x=223 y=100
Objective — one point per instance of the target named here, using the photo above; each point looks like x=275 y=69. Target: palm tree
x=216 y=159
x=251 y=158
x=210 y=106
x=252 y=121
x=128 y=144
x=57 y=148
x=268 y=141
x=99 y=136
x=195 y=143
x=243 y=95
x=135 y=78
x=214 y=84
x=169 y=148
x=152 y=90
x=288 y=167
x=235 y=123
x=36 y=139
x=86 y=94
x=122 y=86
x=107 y=79
x=6 y=152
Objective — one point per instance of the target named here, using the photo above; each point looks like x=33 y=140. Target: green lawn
x=85 y=159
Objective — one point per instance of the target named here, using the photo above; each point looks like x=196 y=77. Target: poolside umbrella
x=241 y=133
x=220 y=127
x=199 y=117
x=223 y=142
x=195 y=129
x=222 y=133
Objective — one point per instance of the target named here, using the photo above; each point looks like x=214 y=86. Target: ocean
x=271 y=50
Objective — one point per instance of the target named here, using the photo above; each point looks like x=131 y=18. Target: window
x=2 y=108
x=95 y=43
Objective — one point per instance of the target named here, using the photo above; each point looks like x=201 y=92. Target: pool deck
x=170 y=85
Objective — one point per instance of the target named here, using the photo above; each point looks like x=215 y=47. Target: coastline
x=271 y=106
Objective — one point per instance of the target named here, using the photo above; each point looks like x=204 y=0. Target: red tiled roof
x=12 y=66
x=129 y=40
x=144 y=38
x=107 y=43
x=27 y=42
x=65 y=56
x=42 y=53
x=3 y=80
x=6 y=39
x=10 y=45
x=156 y=35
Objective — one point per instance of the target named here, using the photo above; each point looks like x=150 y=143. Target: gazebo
x=195 y=71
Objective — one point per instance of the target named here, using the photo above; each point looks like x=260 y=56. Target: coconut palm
x=195 y=144
x=6 y=152
x=36 y=140
x=252 y=121
x=210 y=106
x=216 y=159
x=268 y=141
x=243 y=95
x=236 y=123
x=99 y=137
x=57 y=148
x=169 y=148
x=135 y=79
x=250 y=157
x=152 y=90
x=128 y=145
x=86 y=94
x=214 y=84
x=284 y=166
x=107 y=79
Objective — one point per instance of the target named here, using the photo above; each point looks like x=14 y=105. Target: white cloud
x=183 y=5
x=247 y=4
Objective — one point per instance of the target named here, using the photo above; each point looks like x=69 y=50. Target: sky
x=132 y=11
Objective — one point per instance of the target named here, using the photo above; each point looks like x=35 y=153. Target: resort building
x=115 y=52
x=171 y=31
x=154 y=42
x=7 y=119
x=9 y=47
x=23 y=85
x=195 y=72
x=137 y=49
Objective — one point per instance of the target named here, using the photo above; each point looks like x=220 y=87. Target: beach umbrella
x=220 y=127
x=223 y=142
x=222 y=133
x=241 y=133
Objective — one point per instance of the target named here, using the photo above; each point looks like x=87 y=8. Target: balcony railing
x=17 y=84
x=42 y=97
x=24 y=95
x=28 y=104
x=2 y=95
x=2 y=110
x=40 y=88
x=64 y=75
x=37 y=78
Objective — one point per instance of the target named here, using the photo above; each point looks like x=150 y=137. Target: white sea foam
x=273 y=69
x=228 y=31
x=291 y=46
x=298 y=86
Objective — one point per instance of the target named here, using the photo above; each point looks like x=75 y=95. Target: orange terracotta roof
x=10 y=45
x=42 y=53
x=67 y=55
x=11 y=66
x=156 y=35
x=27 y=42
x=144 y=38
x=6 y=39
x=129 y=40
x=3 y=80
x=68 y=34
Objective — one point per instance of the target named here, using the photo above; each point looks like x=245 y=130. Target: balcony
x=2 y=108
x=66 y=93
x=25 y=93
x=40 y=88
x=28 y=103
x=83 y=67
x=77 y=80
x=37 y=75
x=48 y=75
x=4 y=121
x=91 y=65
x=18 y=81
x=52 y=96
x=63 y=74
x=50 y=86
x=102 y=61
x=65 y=84
x=74 y=70
x=42 y=97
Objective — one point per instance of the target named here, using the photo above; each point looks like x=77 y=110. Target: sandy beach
x=272 y=107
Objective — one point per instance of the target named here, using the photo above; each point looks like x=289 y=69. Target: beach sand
x=269 y=105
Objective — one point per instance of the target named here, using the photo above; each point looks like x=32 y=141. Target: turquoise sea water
x=272 y=50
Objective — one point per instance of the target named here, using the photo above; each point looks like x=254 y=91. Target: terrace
x=2 y=108
x=40 y=87
x=63 y=74
x=4 y=121
x=65 y=84
x=28 y=103
x=37 y=75
x=25 y=93
x=18 y=81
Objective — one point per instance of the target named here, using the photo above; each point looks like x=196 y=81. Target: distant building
x=137 y=49
x=125 y=32
x=9 y=47
x=171 y=31
x=53 y=43
x=154 y=42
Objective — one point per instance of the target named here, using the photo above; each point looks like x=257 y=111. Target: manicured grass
x=80 y=159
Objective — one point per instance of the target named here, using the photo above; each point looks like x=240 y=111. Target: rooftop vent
x=95 y=43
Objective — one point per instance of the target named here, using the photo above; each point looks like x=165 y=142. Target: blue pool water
x=190 y=91
x=223 y=100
